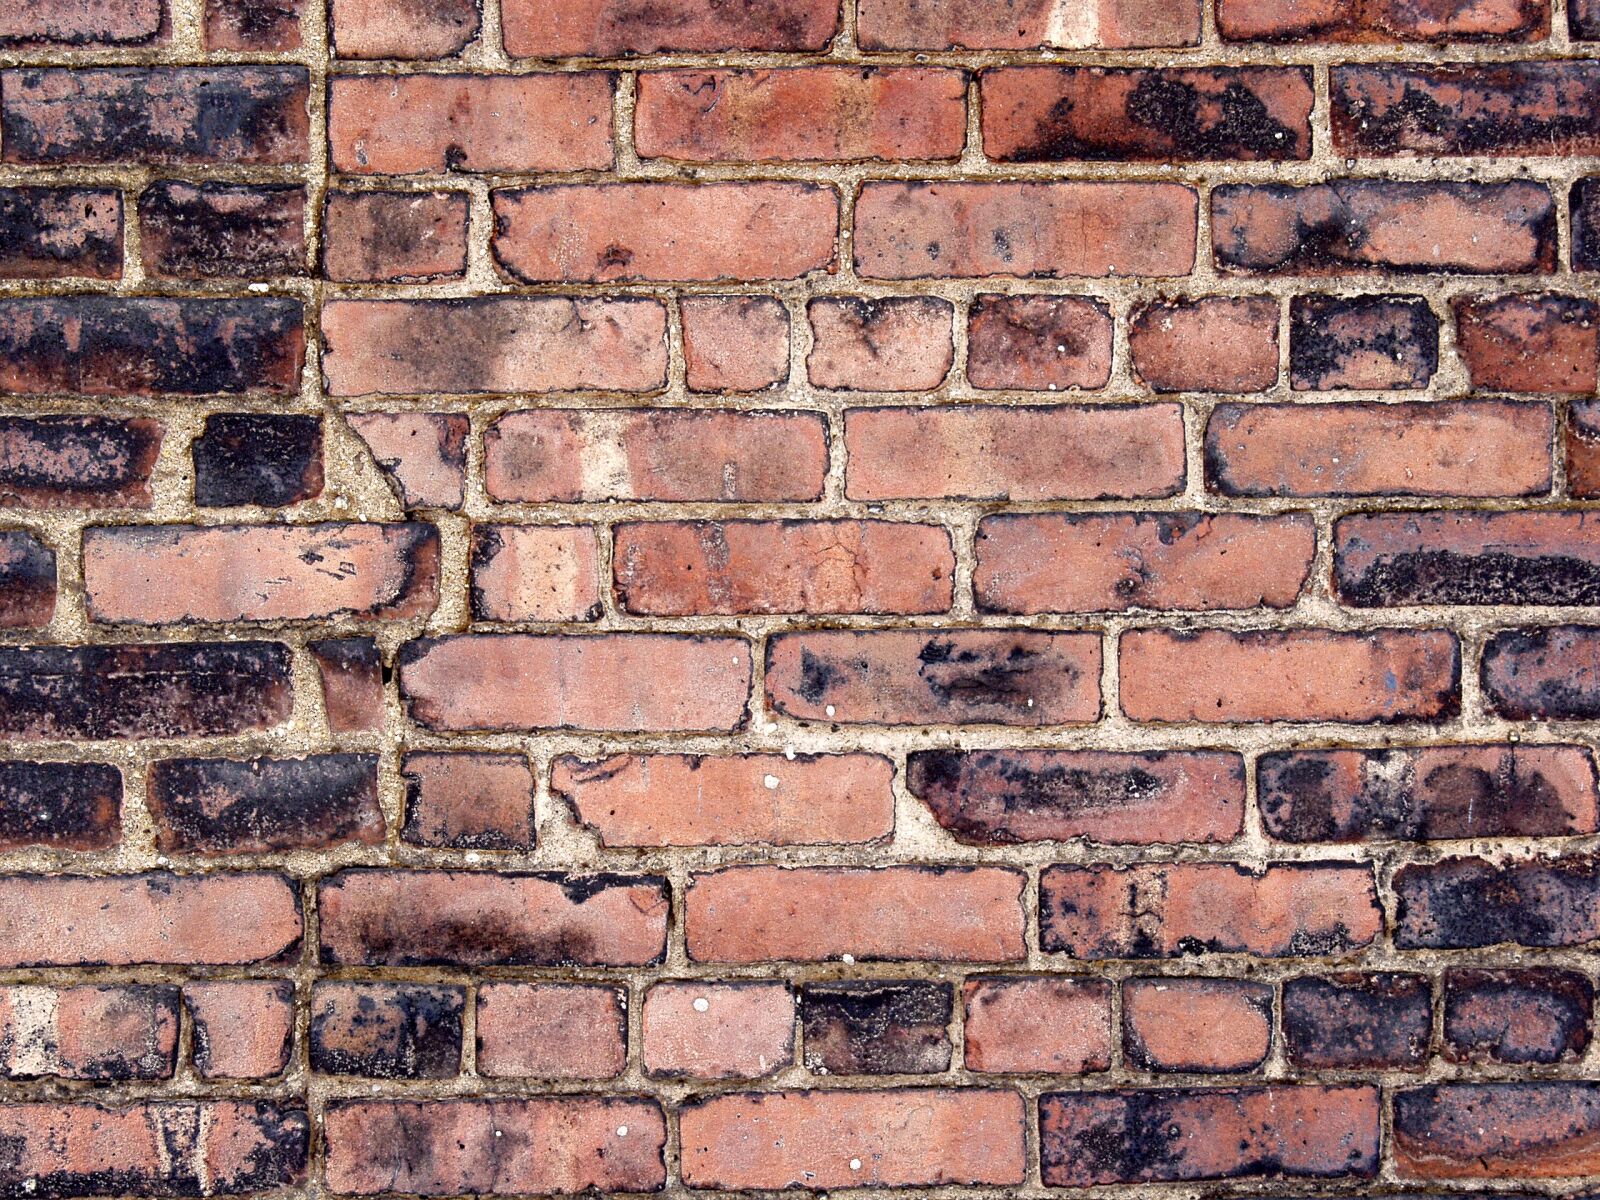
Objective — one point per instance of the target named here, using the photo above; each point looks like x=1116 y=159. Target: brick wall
x=734 y=595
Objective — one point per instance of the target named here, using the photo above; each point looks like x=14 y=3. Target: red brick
x=1582 y=449
x=935 y=677
x=1172 y=1134
x=222 y=231
x=51 y=462
x=1019 y=1024
x=243 y=1028
x=678 y=568
x=584 y=456
x=468 y=801
x=947 y=914
x=1543 y=674
x=613 y=682
x=802 y=114
x=1208 y=1026
x=408 y=124
x=496 y=344
x=58 y=233
x=67 y=920
x=422 y=455
x=385 y=1030
x=394 y=237
x=1170 y=910
x=1530 y=342
x=1029 y=230
x=999 y=797
x=466 y=918
x=1088 y=562
x=62 y=805
x=152 y=575
x=749 y=799
x=1362 y=342
x=1382 y=20
x=253 y=25
x=551 y=1031
x=27 y=581
x=546 y=1145
x=1014 y=453
x=695 y=1030
x=898 y=344
x=85 y=23
x=1358 y=1022
x=1545 y=1130
x=1533 y=1015
x=609 y=28
x=535 y=573
x=398 y=29
x=351 y=673
x=734 y=343
x=1062 y=114
x=96 y=1033
x=1038 y=343
x=1027 y=25
x=1436 y=448
x=1214 y=344
x=900 y=1138
x=675 y=232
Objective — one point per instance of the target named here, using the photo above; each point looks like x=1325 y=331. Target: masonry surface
x=991 y=598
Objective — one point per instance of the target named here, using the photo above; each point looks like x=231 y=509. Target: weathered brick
x=1427 y=792
x=607 y=28
x=877 y=1027
x=1585 y=212
x=1582 y=448
x=1002 y=452
x=898 y=344
x=394 y=237
x=398 y=29
x=1583 y=20
x=112 y=346
x=125 y=1031
x=1030 y=230
x=1208 y=1026
x=351 y=673
x=152 y=575
x=753 y=914
x=468 y=801
x=728 y=800
x=1529 y=342
x=120 y=920
x=535 y=573
x=617 y=681
x=498 y=344
x=228 y=806
x=1038 y=343
x=1382 y=20
x=1091 y=562
x=77 y=462
x=386 y=1030
x=1351 y=1022
x=1467 y=902
x=1361 y=225
x=409 y=124
x=222 y=230
x=1362 y=342
x=677 y=568
x=193 y=689
x=27 y=581
x=85 y=23
x=592 y=233
x=155 y=116
x=1213 y=344
x=1497 y=1130
x=1172 y=1134
x=270 y=459
x=1026 y=25
x=1170 y=910
x=705 y=1030
x=465 y=918
x=1532 y=1015
x=899 y=1138
x=1544 y=674
x=243 y=1028
x=1021 y=1024
x=545 y=1145
x=1108 y=114
x=422 y=455
x=734 y=343
x=997 y=797
x=57 y=233
x=584 y=456
x=942 y=677
x=551 y=1031
x=253 y=25
x=62 y=805
x=802 y=114
x=1435 y=448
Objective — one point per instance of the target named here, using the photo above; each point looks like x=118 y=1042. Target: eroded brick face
x=965 y=598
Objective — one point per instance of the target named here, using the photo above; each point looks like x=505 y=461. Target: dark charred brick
x=192 y=689
x=1359 y=225
x=1362 y=342
x=53 y=233
x=1533 y=1015
x=110 y=345
x=1529 y=342
x=1103 y=114
x=1467 y=902
x=876 y=1027
x=263 y=25
x=222 y=230
x=88 y=24
x=27 y=581
x=271 y=459
x=1428 y=792
x=1171 y=1134
x=1585 y=203
x=353 y=680
x=61 y=805
x=1498 y=1130
x=1583 y=20
x=1349 y=1022
x=1544 y=674
x=225 y=806
x=386 y=1030
x=1500 y=109
x=999 y=797
x=1382 y=20
x=1583 y=449
x=77 y=462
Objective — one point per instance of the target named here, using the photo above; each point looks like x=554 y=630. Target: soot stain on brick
x=1349 y=1022
x=1454 y=577
x=1403 y=330
x=1546 y=694
x=387 y=1031
x=257 y=24
x=51 y=232
x=876 y=1027
x=270 y=459
x=219 y=230
x=27 y=581
x=1526 y=1016
x=1461 y=903
x=73 y=806
x=51 y=461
